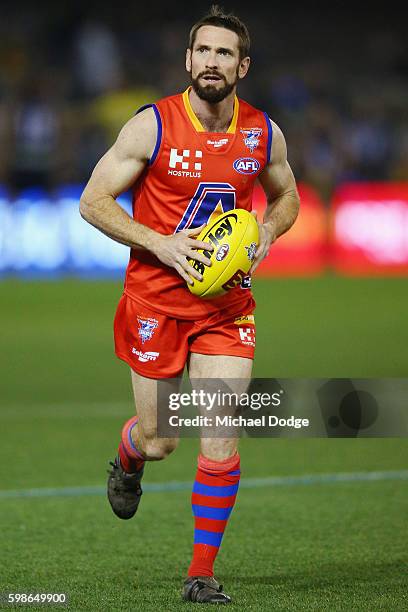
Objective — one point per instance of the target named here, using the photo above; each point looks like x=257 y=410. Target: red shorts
x=157 y=346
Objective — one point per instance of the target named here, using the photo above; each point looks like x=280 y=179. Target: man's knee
x=155 y=449
x=219 y=449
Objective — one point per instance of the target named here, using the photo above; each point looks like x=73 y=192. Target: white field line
x=246 y=483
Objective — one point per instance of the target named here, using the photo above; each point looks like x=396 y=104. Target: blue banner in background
x=42 y=234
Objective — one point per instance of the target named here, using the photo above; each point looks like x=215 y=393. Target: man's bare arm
x=116 y=172
x=282 y=196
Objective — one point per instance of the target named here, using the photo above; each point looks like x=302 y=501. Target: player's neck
x=213 y=117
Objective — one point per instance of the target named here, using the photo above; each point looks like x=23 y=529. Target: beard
x=210 y=93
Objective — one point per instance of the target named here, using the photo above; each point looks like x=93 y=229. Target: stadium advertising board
x=302 y=251
x=44 y=235
x=369 y=229
x=364 y=233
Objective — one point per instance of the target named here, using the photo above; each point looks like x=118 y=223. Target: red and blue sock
x=131 y=458
x=214 y=492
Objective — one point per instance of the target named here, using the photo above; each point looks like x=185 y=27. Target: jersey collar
x=196 y=122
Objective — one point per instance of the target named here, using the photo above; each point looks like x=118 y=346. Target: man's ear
x=244 y=67
x=188 y=60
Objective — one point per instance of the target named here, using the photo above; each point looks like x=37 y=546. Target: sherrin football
x=234 y=235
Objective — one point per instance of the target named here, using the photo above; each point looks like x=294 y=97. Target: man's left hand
x=267 y=236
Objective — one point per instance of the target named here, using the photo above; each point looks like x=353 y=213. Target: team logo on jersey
x=251 y=249
x=246 y=165
x=222 y=252
x=251 y=137
x=180 y=163
x=146 y=328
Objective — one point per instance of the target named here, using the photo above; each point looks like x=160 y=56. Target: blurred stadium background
x=332 y=302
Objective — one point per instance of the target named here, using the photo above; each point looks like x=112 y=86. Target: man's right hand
x=175 y=250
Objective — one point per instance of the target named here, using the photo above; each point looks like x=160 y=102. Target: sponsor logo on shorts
x=247 y=335
x=246 y=165
x=148 y=356
x=146 y=328
x=245 y=319
x=222 y=252
x=251 y=249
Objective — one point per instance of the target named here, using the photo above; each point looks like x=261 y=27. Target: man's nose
x=212 y=60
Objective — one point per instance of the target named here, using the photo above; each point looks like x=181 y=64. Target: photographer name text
x=238 y=421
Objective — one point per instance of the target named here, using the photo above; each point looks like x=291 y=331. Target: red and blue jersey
x=191 y=176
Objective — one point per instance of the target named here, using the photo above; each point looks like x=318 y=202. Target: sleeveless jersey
x=192 y=175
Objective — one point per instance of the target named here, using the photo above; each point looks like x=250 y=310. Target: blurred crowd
x=70 y=78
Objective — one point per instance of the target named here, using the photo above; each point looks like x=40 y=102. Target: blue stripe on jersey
x=269 y=144
x=203 y=489
x=234 y=473
x=207 y=537
x=219 y=514
x=159 y=129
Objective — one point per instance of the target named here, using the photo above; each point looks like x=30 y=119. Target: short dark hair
x=217 y=17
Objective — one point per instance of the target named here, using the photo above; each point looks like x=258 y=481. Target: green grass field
x=292 y=545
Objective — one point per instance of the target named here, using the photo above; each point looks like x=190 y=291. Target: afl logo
x=246 y=165
x=222 y=252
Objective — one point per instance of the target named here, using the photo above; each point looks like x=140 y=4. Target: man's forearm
x=281 y=213
x=108 y=216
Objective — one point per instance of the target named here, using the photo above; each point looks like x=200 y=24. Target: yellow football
x=234 y=235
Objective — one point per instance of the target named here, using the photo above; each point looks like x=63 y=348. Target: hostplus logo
x=182 y=163
x=247 y=335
